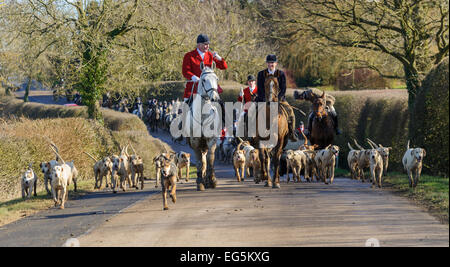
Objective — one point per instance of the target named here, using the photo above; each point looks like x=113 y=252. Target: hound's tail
x=304 y=136
x=372 y=142
x=349 y=146
x=407 y=145
x=356 y=143
x=92 y=157
x=57 y=154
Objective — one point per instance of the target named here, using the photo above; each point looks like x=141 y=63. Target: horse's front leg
x=201 y=169
x=210 y=173
x=276 y=164
x=263 y=157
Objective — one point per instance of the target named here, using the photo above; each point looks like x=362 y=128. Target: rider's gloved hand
x=216 y=56
x=195 y=78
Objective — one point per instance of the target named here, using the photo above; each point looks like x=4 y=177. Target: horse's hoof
x=277 y=185
x=213 y=183
x=174 y=198
x=268 y=184
x=165 y=208
x=200 y=187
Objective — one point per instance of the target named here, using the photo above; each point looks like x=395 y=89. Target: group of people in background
x=254 y=92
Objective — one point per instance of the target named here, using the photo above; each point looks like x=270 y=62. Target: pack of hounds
x=319 y=165
x=125 y=169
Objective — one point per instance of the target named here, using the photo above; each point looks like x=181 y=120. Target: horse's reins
x=206 y=91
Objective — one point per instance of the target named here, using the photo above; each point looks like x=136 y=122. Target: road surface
x=346 y=213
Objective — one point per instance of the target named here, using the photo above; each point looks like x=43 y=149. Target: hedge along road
x=346 y=213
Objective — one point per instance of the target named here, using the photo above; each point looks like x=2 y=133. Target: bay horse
x=268 y=154
x=322 y=130
x=204 y=146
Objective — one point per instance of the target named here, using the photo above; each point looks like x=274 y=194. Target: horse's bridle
x=322 y=113
x=274 y=94
x=206 y=97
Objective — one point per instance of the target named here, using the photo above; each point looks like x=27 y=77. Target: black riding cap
x=271 y=58
x=202 y=38
x=251 y=78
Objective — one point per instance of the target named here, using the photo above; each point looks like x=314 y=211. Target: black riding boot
x=292 y=135
x=309 y=125
x=335 y=122
x=222 y=106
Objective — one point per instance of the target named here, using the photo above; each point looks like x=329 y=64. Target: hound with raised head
x=384 y=152
x=158 y=161
x=376 y=167
x=412 y=162
x=169 y=174
x=326 y=161
x=239 y=162
x=29 y=182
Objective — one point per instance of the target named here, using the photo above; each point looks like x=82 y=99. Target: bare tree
x=85 y=30
x=121 y=46
x=414 y=33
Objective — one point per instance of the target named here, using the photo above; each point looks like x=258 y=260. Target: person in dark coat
x=272 y=63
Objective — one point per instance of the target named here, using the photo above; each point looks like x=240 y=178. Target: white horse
x=203 y=125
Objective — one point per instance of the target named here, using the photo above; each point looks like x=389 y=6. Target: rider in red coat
x=249 y=92
x=191 y=64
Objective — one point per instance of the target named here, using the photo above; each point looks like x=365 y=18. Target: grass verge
x=431 y=192
x=18 y=208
